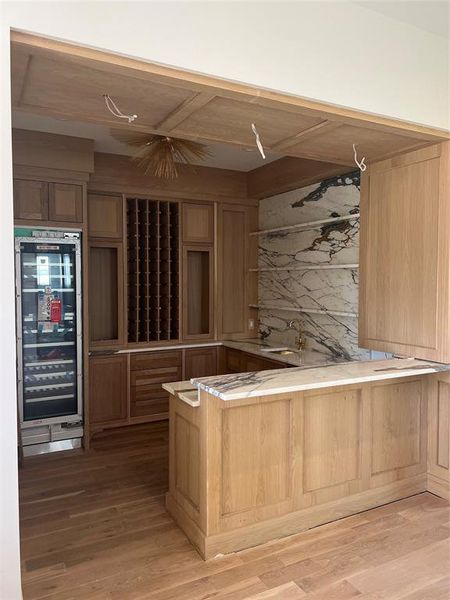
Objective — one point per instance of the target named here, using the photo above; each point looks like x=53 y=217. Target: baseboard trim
x=438 y=487
x=291 y=523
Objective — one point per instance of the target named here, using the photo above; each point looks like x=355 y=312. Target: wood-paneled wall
x=266 y=467
x=116 y=173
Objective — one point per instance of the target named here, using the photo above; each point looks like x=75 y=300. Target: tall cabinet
x=405 y=255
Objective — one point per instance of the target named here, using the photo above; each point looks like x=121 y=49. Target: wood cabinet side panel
x=438 y=392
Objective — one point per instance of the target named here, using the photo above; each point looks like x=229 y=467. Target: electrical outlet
x=251 y=324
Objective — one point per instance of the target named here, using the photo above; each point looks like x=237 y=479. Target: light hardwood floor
x=94 y=527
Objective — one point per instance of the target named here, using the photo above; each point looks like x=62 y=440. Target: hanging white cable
x=258 y=141
x=360 y=163
x=114 y=110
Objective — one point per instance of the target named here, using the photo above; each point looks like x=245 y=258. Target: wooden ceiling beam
x=304 y=135
x=184 y=110
x=243 y=92
x=288 y=174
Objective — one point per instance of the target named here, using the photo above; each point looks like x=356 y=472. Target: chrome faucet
x=301 y=339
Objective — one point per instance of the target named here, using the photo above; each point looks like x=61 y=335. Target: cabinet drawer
x=148 y=400
x=160 y=375
x=155 y=360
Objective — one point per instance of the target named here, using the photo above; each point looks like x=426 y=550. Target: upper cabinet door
x=404 y=255
x=105 y=216
x=30 y=200
x=237 y=253
x=198 y=223
x=65 y=202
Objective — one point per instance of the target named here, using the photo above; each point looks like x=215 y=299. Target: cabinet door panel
x=200 y=362
x=30 y=200
x=105 y=216
x=404 y=256
x=198 y=223
x=65 y=202
x=108 y=389
x=233 y=361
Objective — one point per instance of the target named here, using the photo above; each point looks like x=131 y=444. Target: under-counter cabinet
x=48 y=201
x=405 y=255
x=148 y=400
x=108 y=390
x=200 y=362
x=237 y=361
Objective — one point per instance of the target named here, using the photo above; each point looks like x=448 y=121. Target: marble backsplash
x=312 y=268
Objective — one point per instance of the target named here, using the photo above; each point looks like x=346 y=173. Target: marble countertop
x=254 y=346
x=239 y=386
x=304 y=358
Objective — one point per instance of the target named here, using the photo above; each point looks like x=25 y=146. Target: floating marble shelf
x=308 y=268
x=310 y=225
x=312 y=311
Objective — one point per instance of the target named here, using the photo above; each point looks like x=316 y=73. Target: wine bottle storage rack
x=153 y=270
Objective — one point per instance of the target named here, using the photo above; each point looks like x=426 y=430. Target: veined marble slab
x=323 y=289
x=311 y=203
x=317 y=289
x=334 y=336
x=333 y=244
x=266 y=383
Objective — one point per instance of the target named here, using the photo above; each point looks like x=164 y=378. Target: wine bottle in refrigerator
x=49 y=339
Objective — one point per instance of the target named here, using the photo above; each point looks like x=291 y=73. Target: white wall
x=9 y=513
x=337 y=52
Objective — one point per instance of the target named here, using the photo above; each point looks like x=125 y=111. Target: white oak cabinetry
x=405 y=255
x=281 y=463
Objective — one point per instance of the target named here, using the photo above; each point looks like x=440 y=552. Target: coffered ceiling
x=63 y=81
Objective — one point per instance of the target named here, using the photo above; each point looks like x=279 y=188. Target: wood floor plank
x=94 y=527
x=287 y=591
x=408 y=574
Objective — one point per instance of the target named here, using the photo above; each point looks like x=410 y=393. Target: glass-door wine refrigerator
x=49 y=339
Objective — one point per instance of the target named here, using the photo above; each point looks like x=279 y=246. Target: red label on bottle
x=55 y=310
